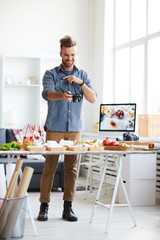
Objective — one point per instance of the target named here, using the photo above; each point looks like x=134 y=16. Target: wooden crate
x=149 y=125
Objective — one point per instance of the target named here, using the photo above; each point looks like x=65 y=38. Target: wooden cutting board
x=35 y=148
x=149 y=144
x=77 y=148
x=56 y=148
x=117 y=148
x=95 y=148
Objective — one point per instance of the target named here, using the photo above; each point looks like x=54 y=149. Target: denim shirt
x=64 y=116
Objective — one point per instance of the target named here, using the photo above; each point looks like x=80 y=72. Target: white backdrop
x=35 y=26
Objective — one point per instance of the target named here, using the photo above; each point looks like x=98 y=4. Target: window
x=132 y=54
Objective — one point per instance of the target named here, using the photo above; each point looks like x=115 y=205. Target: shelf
x=24 y=99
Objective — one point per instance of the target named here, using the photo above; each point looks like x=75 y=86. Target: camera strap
x=67 y=73
x=77 y=96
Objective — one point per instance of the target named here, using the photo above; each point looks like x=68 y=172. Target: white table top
x=105 y=152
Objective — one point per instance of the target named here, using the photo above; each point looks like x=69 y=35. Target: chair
x=92 y=162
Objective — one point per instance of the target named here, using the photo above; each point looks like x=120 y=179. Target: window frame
x=130 y=44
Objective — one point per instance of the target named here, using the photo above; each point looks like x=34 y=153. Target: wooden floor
x=121 y=227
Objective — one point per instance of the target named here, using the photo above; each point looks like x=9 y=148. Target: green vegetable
x=9 y=146
x=15 y=145
x=123 y=145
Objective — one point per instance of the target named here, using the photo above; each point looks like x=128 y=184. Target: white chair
x=90 y=164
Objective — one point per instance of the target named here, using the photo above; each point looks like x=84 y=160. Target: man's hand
x=67 y=96
x=72 y=79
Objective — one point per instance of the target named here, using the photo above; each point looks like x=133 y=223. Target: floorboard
x=121 y=226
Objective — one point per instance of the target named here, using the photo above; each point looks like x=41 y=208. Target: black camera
x=130 y=137
x=76 y=97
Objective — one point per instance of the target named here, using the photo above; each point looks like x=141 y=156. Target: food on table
x=118 y=146
x=151 y=145
x=37 y=137
x=119 y=114
x=90 y=143
x=84 y=145
x=124 y=145
x=114 y=143
x=95 y=140
x=95 y=143
x=27 y=142
x=81 y=141
x=10 y=146
x=32 y=136
x=106 y=142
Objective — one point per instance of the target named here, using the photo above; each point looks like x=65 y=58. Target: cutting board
x=56 y=148
x=35 y=148
x=95 y=148
x=77 y=148
x=136 y=143
x=117 y=148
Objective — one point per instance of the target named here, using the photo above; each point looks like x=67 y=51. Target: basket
x=12 y=218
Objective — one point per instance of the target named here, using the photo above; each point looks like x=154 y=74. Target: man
x=64 y=121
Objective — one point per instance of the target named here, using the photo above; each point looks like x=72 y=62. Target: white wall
x=97 y=63
x=96 y=60
x=35 y=26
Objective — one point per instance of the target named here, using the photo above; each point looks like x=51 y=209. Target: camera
x=76 y=97
x=130 y=137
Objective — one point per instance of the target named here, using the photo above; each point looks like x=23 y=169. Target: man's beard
x=68 y=63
